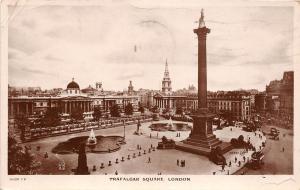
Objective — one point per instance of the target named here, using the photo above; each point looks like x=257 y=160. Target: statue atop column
x=201 y=20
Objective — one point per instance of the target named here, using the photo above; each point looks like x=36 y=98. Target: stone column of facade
x=18 y=107
x=65 y=106
x=26 y=109
x=70 y=104
x=11 y=109
x=32 y=105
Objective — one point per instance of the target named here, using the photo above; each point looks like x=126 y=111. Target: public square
x=96 y=125
x=164 y=161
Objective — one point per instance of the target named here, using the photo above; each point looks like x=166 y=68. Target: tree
x=20 y=161
x=128 y=109
x=51 y=118
x=154 y=109
x=179 y=110
x=22 y=123
x=77 y=114
x=97 y=113
x=141 y=109
x=114 y=111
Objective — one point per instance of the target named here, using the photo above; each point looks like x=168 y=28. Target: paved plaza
x=162 y=161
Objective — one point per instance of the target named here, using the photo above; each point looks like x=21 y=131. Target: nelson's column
x=202 y=139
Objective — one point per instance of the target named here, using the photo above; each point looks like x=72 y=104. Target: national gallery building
x=71 y=98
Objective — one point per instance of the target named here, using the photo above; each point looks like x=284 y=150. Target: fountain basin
x=104 y=144
x=165 y=126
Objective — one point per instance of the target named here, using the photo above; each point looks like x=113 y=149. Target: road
x=276 y=161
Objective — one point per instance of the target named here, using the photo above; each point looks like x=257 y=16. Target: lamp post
x=124 y=129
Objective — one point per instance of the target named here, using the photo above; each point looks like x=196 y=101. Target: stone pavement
x=162 y=161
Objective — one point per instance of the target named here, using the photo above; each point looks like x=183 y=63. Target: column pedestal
x=202 y=140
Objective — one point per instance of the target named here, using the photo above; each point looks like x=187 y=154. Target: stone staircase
x=203 y=144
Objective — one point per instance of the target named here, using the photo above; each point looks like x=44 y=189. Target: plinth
x=201 y=139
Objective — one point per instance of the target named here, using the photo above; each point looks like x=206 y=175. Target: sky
x=49 y=45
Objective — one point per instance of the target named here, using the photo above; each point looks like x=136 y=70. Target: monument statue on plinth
x=82 y=168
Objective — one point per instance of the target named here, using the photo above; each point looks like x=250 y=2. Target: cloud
x=91 y=43
x=29 y=23
x=130 y=76
x=52 y=58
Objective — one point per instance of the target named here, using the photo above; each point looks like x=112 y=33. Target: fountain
x=170 y=126
x=92 y=140
x=94 y=144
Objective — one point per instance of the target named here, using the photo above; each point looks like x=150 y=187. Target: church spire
x=166 y=82
x=166 y=74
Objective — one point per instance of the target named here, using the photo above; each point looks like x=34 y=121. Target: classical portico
x=78 y=102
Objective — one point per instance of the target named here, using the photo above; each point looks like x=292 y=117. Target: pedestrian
x=282 y=149
x=94 y=168
x=179 y=134
x=102 y=166
x=137 y=147
x=150 y=135
x=229 y=164
x=235 y=159
x=149 y=160
x=227 y=172
x=109 y=163
x=59 y=166
x=223 y=167
x=116 y=172
x=183 y=163
x=117 y=161
x=244 y=158
x=46 y=155
x=151 y=146
x=239 y=163
x=177 y=162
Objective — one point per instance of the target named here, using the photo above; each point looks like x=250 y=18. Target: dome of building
x=73 y=85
